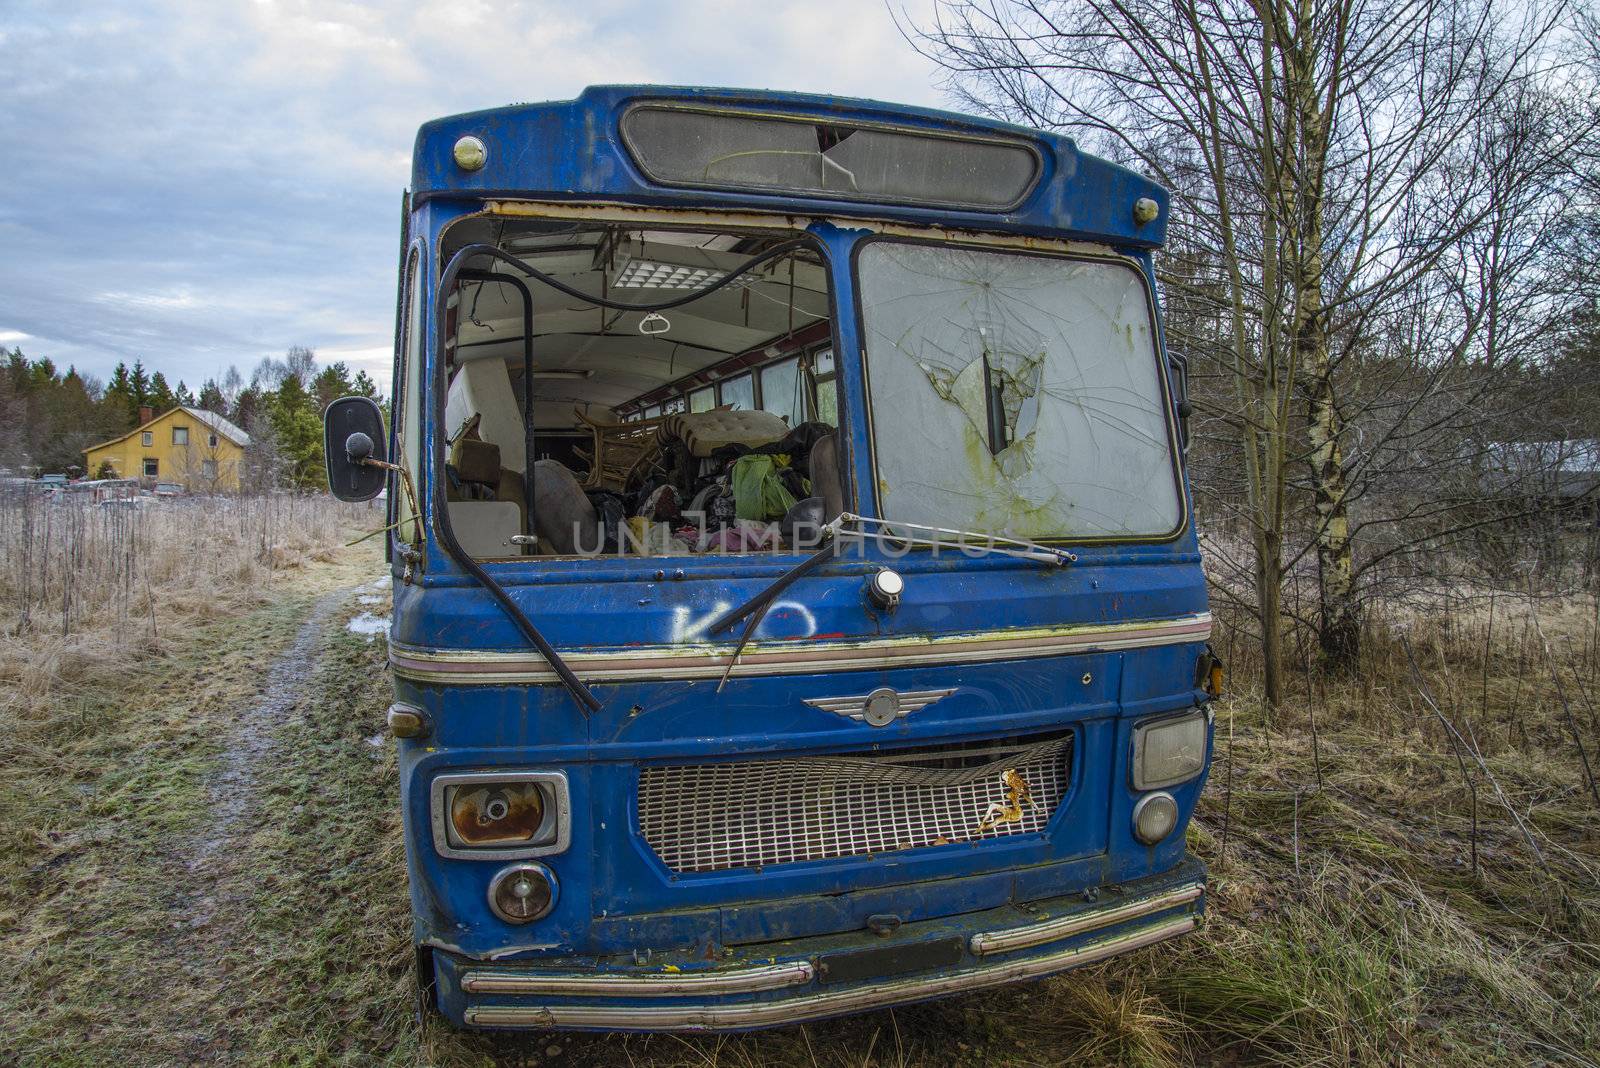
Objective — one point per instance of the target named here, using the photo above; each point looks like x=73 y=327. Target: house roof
x=220 y=425
x=209 y=418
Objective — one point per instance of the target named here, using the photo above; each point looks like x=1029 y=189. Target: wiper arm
x=765 y=598
x=756 y=607
x=970 y=541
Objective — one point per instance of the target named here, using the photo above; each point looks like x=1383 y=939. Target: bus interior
x=707 y=427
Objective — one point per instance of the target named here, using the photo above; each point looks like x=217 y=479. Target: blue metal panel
x=693 y=955
x=610 y=873
x=573 y=150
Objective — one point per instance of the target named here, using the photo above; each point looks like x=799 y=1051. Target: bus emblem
x=881 y=707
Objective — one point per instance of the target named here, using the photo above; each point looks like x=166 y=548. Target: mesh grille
x=708 y=817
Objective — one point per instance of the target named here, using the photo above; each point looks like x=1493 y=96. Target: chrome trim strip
x=720 y=1017
x=1036 y=934
x=645 y=985
x=795 y=657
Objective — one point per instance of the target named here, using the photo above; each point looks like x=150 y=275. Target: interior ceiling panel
x=572 y=335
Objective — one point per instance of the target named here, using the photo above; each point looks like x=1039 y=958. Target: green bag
x=758 y=493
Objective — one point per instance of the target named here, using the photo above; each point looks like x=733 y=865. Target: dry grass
x=1347 y=925
x=87 y=587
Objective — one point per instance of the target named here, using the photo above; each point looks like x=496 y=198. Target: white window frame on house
x=152 y=467
x=208 y=469
x=180 y=435
x=211 y=441
x=148 y=438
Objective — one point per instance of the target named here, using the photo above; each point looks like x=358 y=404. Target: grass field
x=177 y=887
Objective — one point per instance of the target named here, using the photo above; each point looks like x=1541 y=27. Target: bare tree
x=205 y=465
x=1330 y=179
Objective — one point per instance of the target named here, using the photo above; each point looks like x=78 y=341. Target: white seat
x=706 y=432
x=484 y=387
x=484 y=528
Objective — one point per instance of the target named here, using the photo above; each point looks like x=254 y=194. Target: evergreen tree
x=122 y=405
x=331 y=383
x=139 y=385
x=211 y=398
x=249 y=407
x=160 y=397
x=297 y=424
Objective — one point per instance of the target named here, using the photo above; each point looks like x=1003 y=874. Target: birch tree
x=1326 y=167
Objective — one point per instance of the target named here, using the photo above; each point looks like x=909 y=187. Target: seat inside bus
x=708 y=427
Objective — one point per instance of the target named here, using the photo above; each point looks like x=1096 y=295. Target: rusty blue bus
x=797 y=604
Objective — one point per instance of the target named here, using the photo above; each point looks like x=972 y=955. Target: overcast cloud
x=202 y=184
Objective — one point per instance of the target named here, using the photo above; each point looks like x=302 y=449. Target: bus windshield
x=1015 y=394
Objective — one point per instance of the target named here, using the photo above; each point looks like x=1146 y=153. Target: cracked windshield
x=1015 y=395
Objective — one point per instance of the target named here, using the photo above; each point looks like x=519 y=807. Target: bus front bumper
x=790 y=982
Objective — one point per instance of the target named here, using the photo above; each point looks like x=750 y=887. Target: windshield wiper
x=967 y=541
x=756 y=607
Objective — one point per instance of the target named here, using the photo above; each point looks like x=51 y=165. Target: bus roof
x=576 y=150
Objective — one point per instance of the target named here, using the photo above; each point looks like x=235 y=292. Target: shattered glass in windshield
x=1015 y=395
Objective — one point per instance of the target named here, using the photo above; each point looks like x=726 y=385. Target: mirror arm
x=405 y=483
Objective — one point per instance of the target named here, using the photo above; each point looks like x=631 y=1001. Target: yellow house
x=197 y=449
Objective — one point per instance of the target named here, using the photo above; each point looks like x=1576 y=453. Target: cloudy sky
x=207 y=182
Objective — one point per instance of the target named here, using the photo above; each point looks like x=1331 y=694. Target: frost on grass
x=369 y=626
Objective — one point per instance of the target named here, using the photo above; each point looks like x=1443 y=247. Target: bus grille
x=710 y=817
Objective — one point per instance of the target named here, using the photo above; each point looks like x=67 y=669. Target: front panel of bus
x=627 y=400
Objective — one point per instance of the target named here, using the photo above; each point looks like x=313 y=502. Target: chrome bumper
x=678 y=1009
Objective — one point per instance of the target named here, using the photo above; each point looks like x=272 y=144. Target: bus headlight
x=522 y=893
x=1154 y=817
x=1169 y=751
x=488 y=815
x=495 y=814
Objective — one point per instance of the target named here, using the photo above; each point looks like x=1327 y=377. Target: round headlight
x=1154 y=817
x=522 y=893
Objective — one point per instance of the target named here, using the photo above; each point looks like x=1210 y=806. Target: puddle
x=370 y=625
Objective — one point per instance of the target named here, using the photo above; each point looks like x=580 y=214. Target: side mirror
x=1182 y=405
x=352 y=432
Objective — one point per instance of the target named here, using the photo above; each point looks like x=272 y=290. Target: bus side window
x=739 y=393
x=825 y=381
x=783 y=391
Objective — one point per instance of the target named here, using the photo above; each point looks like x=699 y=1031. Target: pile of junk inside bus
x=707 y=427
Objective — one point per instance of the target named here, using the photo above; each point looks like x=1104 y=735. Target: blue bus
x=797 y=604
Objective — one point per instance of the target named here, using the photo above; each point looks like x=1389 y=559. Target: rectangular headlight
x=1169 y=751
x=499 y=815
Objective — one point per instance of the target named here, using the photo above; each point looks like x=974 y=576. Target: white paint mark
x=685 y=628
x=809 y=620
